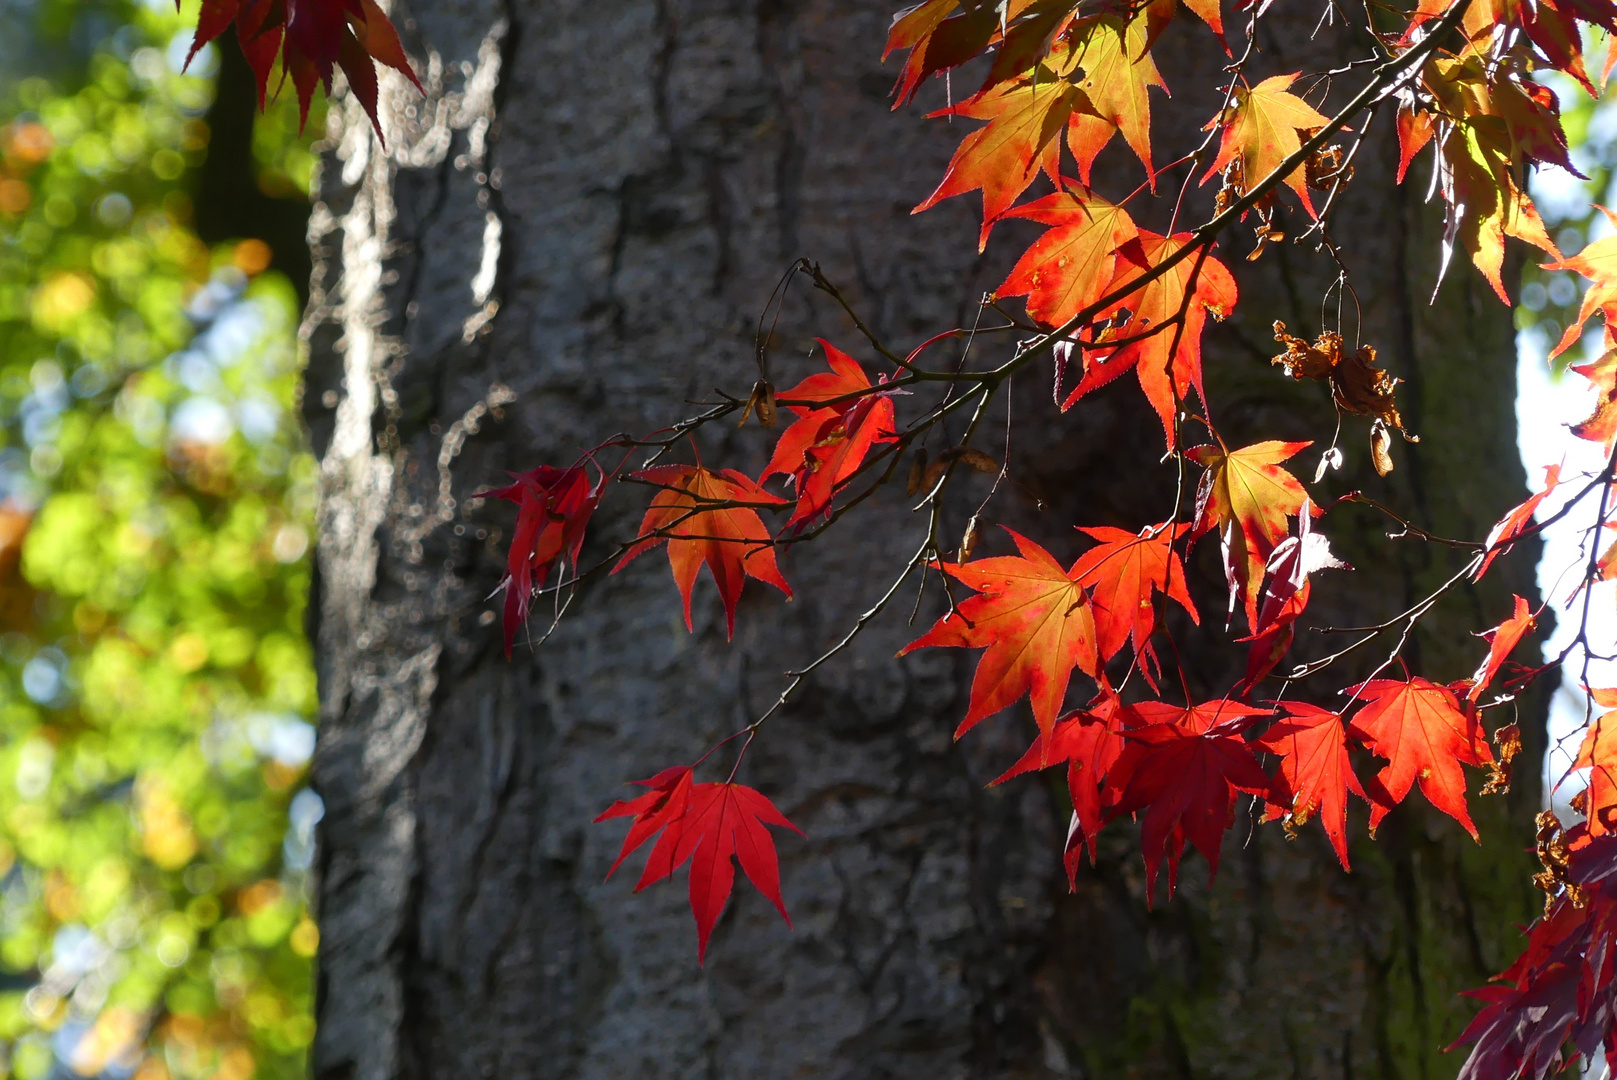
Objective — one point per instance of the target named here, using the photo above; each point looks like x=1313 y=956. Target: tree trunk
x=572 y=234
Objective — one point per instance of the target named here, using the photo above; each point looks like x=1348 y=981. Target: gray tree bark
x=573 y=233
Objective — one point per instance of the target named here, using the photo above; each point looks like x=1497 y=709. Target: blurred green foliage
x=156 y=503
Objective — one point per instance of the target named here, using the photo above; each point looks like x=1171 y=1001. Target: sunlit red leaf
x=1036 y=622
x=1425 y=735
x=711 y=826
x=1088 y=742
x=1070 y=267
x=1316 y=775
x=695 y=515
x=1125 y=571
x=1164 y=350
x=825 y=447
x=1502 y=640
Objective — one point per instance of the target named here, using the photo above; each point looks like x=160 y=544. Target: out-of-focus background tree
x=156 y=687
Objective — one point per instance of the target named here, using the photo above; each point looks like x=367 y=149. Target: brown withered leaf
x=1509 y=740
x=1324 y=166
x=1304 y=361
x=1363 y=388
x=1358 y=386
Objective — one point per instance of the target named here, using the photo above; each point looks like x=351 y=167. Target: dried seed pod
x=1380 y=445
x=765 y=409
x=977 y=460
x=917 y=473
x=760 y=403
x=968 y=542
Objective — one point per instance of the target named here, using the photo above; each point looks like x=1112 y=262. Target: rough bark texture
x=572 y=234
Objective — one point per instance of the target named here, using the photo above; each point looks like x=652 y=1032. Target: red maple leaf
x=310 y=37
x=1502 y=639
x=711 y=826
x=1509 y=527
x=696 y=514
x=1425 y=735
x=1088 y=742
x=553 y=509
x=1166 y=355
x=1315 y=774
x=1124 y=573
x=1034 y=619
x=1285 y=596
x=824 y=448
x=1185 y=775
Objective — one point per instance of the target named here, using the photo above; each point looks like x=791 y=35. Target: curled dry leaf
x=1358 y=386
x=1509 y=741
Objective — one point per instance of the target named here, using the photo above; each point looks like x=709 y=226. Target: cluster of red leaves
x=309 y=38
x=1061 y=79
x=1558 y=1002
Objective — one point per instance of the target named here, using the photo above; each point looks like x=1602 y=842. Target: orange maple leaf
x=1315 y=774
x=1112 y=60
x=695 y=515
x=1248 y=497
x=1261 y=130
x=1124 y=573
x=1070 y=267
x=1598 y=754
x=1513 y=524
x=1003 y=158
x=1425 y=735
x=1035 y=620
x=1598 y=263
x=1166 y=355
x=1601 y=425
